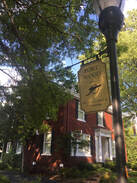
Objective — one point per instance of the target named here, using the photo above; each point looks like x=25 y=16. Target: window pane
x=81 y=113
x=82 y=145
x=47 y=143
x=100 y=118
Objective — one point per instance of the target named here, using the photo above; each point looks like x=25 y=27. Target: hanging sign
x=93 y=85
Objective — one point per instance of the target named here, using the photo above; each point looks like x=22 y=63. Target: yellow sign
x=93 y=84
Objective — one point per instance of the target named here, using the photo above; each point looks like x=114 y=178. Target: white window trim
x=80 y=110
x=44 y=142
x=81 y=154
x=100 y=118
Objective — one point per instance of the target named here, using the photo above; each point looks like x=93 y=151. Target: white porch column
x=96 y=146
x=100 y=149
x=110 y=148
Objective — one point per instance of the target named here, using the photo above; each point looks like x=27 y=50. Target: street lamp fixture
x=110 y=22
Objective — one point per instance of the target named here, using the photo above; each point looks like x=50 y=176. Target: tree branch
x=8 y=75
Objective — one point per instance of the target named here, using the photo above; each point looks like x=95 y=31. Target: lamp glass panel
x=99 y=5
x=106 y=3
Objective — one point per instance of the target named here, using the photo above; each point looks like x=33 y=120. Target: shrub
x=4 y=179
x=10 y=161
x=132 y=173
x=88 y=166
x=3 y=166
x=70 y=172
x=132 y=180
x=110 y=165
x=108 y=178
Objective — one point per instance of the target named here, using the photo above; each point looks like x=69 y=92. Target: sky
x=4 y=79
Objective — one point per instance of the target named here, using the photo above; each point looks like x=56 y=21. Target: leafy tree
x=35 y=37
x=127 y=51
x=131 y=147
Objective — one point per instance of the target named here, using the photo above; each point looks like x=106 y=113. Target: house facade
x=73 y=138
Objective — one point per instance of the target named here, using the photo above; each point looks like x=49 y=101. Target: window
x=8 y=148
x=100 y=119
x=47 y=143
x=18 y=148
x=81 y=113
x=80 y=144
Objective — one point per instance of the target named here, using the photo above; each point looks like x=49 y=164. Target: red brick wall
x=66 y=122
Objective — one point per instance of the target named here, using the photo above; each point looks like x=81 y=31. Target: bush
x=132 y=173
x=10 y=161
x=110 y=165
x=4 y=179
x=132 y=165
x=70 y=172
x=3 y=166
x=87 y=166
x=108 y=178
x=132 y=180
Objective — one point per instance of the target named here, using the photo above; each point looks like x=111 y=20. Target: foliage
x=108 y=178
x=35 y=37
x=111 y=165
x=10 y=161
x=132 y=177
x=131 y=147
x=88 y=166
x=70 y=172
x=4 y=179
x=127 y=52
x=64 y=145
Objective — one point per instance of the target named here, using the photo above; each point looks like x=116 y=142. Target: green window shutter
x=69 y=143
x=52 y=150
x=41 y=137
x=91 y=145
x=97 y=118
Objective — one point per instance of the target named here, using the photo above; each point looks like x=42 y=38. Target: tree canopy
x=127 y=51
x=35 y=36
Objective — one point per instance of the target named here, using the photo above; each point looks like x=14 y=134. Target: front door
x=105 y=149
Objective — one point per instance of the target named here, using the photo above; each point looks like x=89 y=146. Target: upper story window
x=80 y=113
x=100 y=119
x=47 y=143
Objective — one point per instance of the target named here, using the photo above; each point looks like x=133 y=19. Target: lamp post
x=110 y=23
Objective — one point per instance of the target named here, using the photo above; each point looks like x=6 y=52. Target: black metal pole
x=110 y=22
x=117 y=115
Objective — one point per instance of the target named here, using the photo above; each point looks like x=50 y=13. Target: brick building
x=56 y=147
